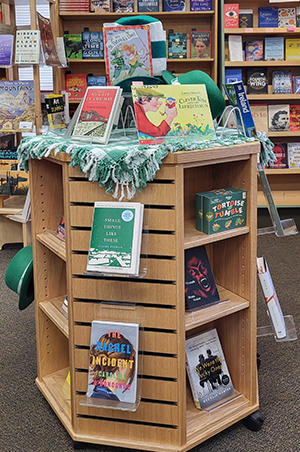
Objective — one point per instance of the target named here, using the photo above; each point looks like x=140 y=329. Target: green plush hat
x=147 y=80
x=215 y=97
x=19 y=276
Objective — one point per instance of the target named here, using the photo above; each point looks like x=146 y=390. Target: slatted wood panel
x=165 y=173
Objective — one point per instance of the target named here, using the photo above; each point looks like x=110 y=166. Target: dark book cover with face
x=200 y=285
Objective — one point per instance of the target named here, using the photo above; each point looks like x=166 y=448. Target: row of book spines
x=268 y=17
x=145 y=6
x=288 y=156
x=268 y=49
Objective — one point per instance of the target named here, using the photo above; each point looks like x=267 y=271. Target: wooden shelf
x=267 y=97
x=49 y=239
x=282 y=171
x=283 y=134
x=232 y=303
x=53 y=309
x=274 y=64
x=114 y=16
x=261 y=31
x=282 y=198
x=193 y=237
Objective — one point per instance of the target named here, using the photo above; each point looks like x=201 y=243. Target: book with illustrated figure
x=207 y=369
x=279 y=117
x=200 y=286
x=127 y=52
x=254 y=50
x=48 y=43
x=200 y=44
x=116 y=238
x=172 y=111
x=281 y=152
x=113 y=362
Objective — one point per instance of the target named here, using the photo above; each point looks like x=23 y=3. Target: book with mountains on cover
x=200 y=286
x=113 y=362
x=127 y=51
x=17 y=108
x=98 y=113
x=116 y=238
x=207 y=369
x=172 y=111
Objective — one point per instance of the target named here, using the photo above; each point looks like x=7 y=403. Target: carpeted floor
x=28 y=424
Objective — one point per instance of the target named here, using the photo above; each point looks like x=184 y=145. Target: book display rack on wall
x=268 y=35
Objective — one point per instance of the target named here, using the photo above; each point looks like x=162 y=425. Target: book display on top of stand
x=17 y=106
x=48 y=42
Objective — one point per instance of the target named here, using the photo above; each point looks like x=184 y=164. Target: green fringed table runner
x=123 y=166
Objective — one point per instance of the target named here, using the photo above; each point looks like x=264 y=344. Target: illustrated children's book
x=127 y=51
x=113 y=362
x=207 y=370
x=172 y=111
x=200 y=286
x=28 y=45
x=238 y=98
x=17 y=109
x=281 y=152
x=177 y=45
x=76 y=85
x=200 y=44
x=6 y=50
x=116 y=238
x=97 y=113
x=48 y=42
x=231 y=15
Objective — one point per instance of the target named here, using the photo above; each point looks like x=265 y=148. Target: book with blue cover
x=233 y=75
x=174 y=5
x=238 y=98
x=268 y=17
x=274 y=49
x=200 y=5
x=6 y=50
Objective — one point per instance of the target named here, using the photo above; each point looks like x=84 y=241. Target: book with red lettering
x=113 y=363
x=76 y=85
x=98 y=113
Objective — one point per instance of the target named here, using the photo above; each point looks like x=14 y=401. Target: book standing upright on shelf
x=257 y=80
x=281 y=152
x=99 y=6
x=279 y=117
x=76 y=85
x=55 y=110
x=268 y=17
x=174 y=5
x=27 y=48
x=148 y=6
x=282 y=82
x=200 y=44
x=235 y=47
x=122 y=6
x=233 y=75
x=6 y=50
x=294 y=155
x=292 y=49
x=254 y=50
x=260 y=116
x=98 y=113
x=127 y=51
x=245 y=18
x=286 y=17
x=231 y=15
x=207 y=369
x=274 y=49
x=177 y=45
x=295 y=118
x=113 y=362
x=200 y=5
x=200 y=286
x=116 y=238
x=73 y=45
x=17 y=106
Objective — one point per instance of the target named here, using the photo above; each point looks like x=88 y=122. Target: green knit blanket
x=123 y=166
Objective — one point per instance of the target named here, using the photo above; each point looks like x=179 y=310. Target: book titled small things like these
x=116 y=238
x=207 y=370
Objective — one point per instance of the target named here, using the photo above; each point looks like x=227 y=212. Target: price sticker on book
x=25 y=125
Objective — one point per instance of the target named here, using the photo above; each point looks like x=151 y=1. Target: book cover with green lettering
x=116 y=238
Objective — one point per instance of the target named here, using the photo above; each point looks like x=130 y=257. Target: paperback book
x=99 y=6
x=254 y=50
x=8 y=148
x=116 y=238
x=48 y=43
x=177 y=45
x=113 y=362
x=200 y=5
x=286 y=17
x=279 y=117
x=282 y=82
x=245 y=18
x=238 y=98
x=274 y=49
x=235 y=47
x=172 y=111
x=174 y=5
x=268 y=16
x=73 y=46
x=200 y=42
x=123 y=6
x=200 y=286
x=148 y=6
x=257 y=80
x=76 y=85
x=281 y=152
x=6 y=50
x=295 y=118
x=27 y=49
x=96 y=80
x=296 y=84
x=127 y=51
x=17 y=107
x=92 y=44
x=297 y=14
x=260 y=116
x=207 y=369
x=97 y=113
x=292 y=49
x=231 y=15
x=233 y=75
x=55 y=110
x=294 y=155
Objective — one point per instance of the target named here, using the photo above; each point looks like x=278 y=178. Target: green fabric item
x=123 y=166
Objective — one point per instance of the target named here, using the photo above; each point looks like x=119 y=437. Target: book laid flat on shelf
x=200 y=5
x=97 y=113
x=257 y=80
x=238 y=98
x=172 y=111
x=27 y=48
x=99 y=6
x=268 y=16
x=48 y=42
x=260 y=116
x=292 y=49
x=113 y=361
x=207 y=369
x=116 y=238
x=281 y=152
x=279 y=118
x=76 y=85
x=200 y=286
x=127 y=51
x=123 y=6
x=286 y=17
x=254 y=50
x=200 y=44
x=6 y=50
x=148 y=6
x=233 y=75
x=235 y=47
x=274 y=49
x=55 y=110
x=17 y=111
x=245 y=18
x=294 y=155
x=177 y=45
x=223 y=209
x=231 y=15
x=282 y=82
x=173 y=5
x=73 y=45
x=295 y=118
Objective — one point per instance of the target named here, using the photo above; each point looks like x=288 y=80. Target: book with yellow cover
x=292 y=49
x=172 y=111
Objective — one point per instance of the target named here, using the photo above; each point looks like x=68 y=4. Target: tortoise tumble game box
x=221 y=210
